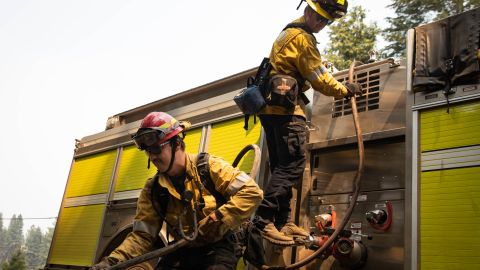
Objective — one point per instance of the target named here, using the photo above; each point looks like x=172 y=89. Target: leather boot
x=272 y=235
x=292 y=230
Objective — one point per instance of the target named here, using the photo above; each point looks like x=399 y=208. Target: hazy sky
x=66 y=66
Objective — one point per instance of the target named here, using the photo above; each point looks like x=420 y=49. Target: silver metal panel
x=365 y=137
x=206 y=139
x=209 y=91
x=451 y=158
x=123 y=195
x=106 y=135
x=334 y=169
x=411 y=140
x=118 y=218
x=334 y=159
x=203 y=137
x=205 y=106
x=438 y=98
x=414 y=188
x=308 y=108
x=388 y=85
x=184 y=113
x=85 y=200
x=113 y=179
x=263 y=157
x=444 y=102
x=386 y=249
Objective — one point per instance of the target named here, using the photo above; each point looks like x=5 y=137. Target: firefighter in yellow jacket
x=183 y=192
x=296 y=66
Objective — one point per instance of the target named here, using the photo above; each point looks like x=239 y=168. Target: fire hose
x=358 y=176
x=183 y=242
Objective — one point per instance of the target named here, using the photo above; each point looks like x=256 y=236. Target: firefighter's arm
x=309 y=64
x=244 y=194
x=146 y=226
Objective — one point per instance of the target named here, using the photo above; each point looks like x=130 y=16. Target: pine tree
x=47 y=240
x=409 y=14
x=17 y=262
x=34 y=248
x=14 y=236
x=3 y=240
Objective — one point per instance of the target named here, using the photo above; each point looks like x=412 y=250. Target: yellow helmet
x=329 y=9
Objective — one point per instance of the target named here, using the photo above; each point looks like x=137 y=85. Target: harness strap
x=307 y=29
x=204 y=171
x=159 y=197
x=301 y=26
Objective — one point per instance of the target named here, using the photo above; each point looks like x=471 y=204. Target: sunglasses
x=147 y=140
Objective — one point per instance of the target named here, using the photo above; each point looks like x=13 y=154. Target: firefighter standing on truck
x=177 y=177
x=296 y=66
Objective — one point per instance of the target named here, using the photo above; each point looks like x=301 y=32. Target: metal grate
x=370 y=81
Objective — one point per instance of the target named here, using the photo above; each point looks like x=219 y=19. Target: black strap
x=159 y=197
x=247 y=118
x=204 y=171
x=307 y=29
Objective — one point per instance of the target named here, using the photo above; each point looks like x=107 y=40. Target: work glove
x=210 y=230
x=105 y=263
x=354 y=89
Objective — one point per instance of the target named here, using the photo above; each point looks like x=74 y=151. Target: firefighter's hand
x=210 y=229
x=354 y=89
x=105 y=263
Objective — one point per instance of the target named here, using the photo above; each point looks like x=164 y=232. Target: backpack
x=253 y=252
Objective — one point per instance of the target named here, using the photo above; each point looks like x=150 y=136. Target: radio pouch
x=251 y=99
x=282 y=90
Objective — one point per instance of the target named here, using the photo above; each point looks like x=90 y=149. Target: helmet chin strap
x=173 y=145
x=301 y=1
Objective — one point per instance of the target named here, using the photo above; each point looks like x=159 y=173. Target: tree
x=3 y=240
x=34 y=248
x=410 y=14
x=46 y=241
x=17 y=262
x=351 y=38
x=14 y=236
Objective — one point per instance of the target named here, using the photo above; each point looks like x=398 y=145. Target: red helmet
x=156 y=128
x=163 y=122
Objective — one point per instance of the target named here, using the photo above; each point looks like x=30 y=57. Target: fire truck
x=419 y=200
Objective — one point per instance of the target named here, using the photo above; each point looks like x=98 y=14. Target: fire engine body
x=420 y=192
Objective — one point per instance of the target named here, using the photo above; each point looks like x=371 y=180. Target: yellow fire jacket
x=295 y=53
x=242 y=192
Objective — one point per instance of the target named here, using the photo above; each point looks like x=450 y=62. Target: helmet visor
x=147 y=139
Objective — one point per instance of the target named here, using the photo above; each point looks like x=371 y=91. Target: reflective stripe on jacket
x=242 y=192
x=295 y=53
